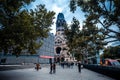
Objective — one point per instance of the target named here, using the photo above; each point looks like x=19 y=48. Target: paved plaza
x=43 y=74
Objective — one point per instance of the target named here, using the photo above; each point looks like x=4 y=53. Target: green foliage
x=74 y=38
x=101 y=12
x=78 y=57
x=85 y=41
x=112 y=52
x=105 y=14
x=20 y=28
x=72 y=33
x=72 y=5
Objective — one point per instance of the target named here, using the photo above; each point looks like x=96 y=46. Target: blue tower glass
x=60 y=22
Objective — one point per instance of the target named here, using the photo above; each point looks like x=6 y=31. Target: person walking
x=79 y=67
x=51 y=68
x=37 y=66
x=54 y=67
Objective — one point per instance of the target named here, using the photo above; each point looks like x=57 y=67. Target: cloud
x=56 y=9
x=60 y=6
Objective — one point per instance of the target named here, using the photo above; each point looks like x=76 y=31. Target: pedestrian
x=51 y=68
x=79 y=66
x=62 y=64
x=37 y=66
x=72 y=64
x=54 y=67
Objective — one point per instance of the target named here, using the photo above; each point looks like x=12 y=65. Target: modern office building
x=47 y=49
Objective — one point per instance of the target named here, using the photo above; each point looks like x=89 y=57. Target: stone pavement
x=73 y=74
x=6 y=67
x=43 y=74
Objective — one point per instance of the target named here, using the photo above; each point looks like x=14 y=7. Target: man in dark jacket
x=79 y=66
x=51 y=66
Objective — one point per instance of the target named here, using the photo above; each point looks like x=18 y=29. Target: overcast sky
x=60 y=6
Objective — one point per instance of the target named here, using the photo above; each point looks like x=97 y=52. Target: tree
x=111 y=52
x=71 y=33
x=76 y=40
x=86 y=41
x=104 y=13
x=20 y=27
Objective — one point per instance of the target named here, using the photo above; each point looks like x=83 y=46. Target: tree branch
x=112 y=41
x=107 y=28
x=110 y=5
x=109 y=36
x=105 y=8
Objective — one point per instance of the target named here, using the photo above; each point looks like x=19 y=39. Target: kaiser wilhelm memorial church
x=61 y=49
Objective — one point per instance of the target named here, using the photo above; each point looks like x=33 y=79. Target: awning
x=47 y=57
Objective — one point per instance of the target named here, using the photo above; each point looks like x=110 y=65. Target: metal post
x=38 y=59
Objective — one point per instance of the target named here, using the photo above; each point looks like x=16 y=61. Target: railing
x=110 y=71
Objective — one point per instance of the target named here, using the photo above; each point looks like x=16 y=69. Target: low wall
x=113 y=72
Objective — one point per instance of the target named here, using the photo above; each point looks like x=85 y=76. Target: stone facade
x=61 y=49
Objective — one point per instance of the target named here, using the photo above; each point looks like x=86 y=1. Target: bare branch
x=107 y=28
x=109 y=36
x=112 y=41
x=110 y=5
x=105 y=8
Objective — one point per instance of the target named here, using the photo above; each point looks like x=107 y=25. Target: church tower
x=61 y=49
